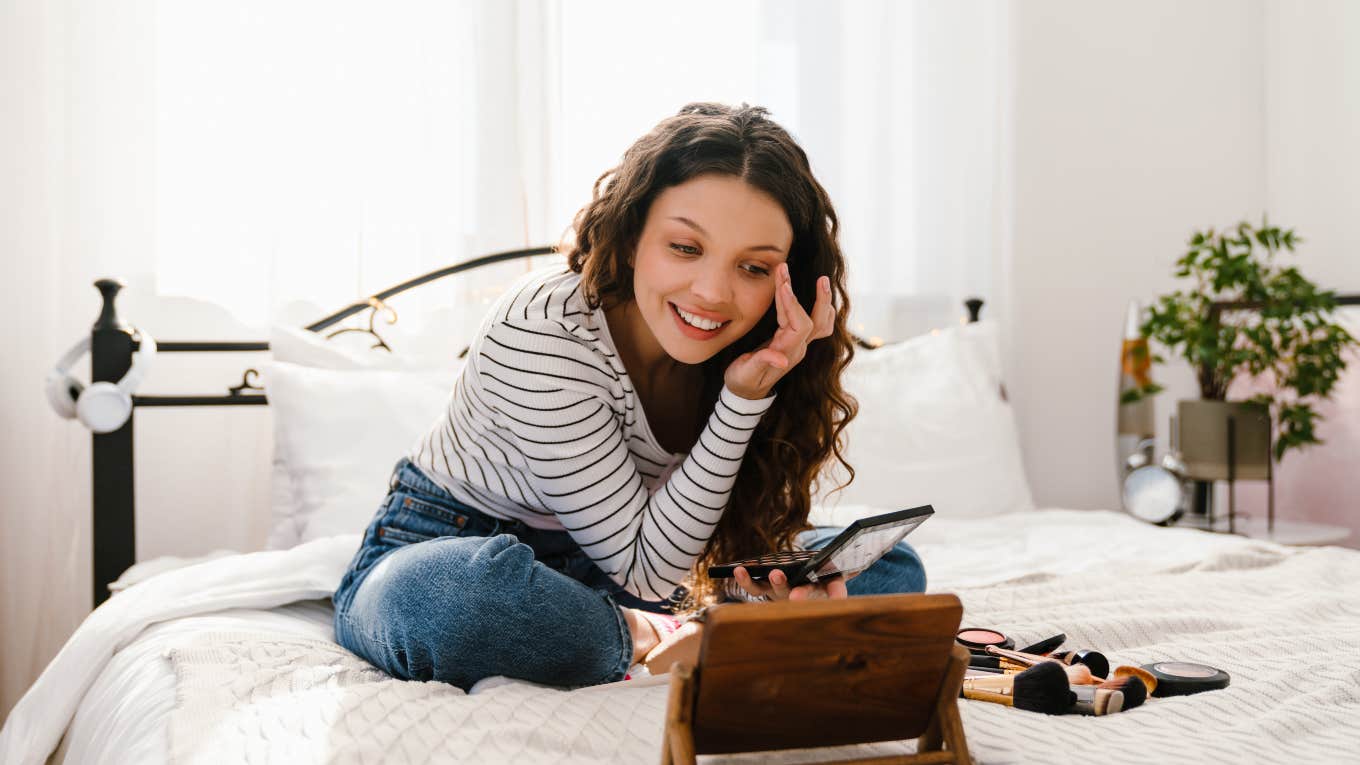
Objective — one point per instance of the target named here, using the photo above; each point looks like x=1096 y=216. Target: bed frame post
x=114 y=539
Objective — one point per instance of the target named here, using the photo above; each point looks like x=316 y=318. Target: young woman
x=664 y=404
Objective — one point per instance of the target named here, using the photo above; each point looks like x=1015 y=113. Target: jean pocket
x=413 y=518
x=400 y=536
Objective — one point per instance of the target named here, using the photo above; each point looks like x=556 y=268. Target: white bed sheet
x=123 y=718
x=1284 y=621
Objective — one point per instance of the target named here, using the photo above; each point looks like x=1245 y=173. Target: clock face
x=1152 y=494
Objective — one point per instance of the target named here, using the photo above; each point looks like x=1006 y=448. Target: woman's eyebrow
x=701 y=230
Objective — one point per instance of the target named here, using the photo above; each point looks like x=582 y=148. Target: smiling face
x=703 y=273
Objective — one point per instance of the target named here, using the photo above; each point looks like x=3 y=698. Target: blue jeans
x=442 y=591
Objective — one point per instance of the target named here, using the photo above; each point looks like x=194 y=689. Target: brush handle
x=1046 y=646
x=1027 y=659
x=995 y=683
x=1097 y=701
x=1022 y=659
x=997 y=698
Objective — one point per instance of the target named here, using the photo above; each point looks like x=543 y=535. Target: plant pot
x=1203 y=429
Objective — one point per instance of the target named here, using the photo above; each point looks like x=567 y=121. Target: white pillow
x=337 y=435
x=291 y=505
x=932 y=429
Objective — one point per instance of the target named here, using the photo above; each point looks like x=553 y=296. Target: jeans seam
x=625 y=637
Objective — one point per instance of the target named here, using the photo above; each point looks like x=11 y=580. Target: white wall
x=1134 y=123
x=1312 y=86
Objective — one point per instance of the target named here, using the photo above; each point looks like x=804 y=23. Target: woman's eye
x=685 y=249
x=756 y=270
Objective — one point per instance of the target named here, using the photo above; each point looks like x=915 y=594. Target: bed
x=230 y=657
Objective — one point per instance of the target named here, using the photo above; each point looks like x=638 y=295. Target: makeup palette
x=1181 y=678
x=977 y=639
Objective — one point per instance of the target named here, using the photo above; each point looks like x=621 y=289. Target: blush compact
x=976 y=639
x=1181 y=678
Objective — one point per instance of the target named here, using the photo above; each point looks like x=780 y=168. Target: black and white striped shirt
x=544 y=426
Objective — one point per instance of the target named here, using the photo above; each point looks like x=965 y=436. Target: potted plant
x=1246 y=312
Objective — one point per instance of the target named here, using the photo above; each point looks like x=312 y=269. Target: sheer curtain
x=899 y=106
x=251 y=155
x=319 y=152
x=255 y=154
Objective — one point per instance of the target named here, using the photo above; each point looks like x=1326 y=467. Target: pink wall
x=1319 y=483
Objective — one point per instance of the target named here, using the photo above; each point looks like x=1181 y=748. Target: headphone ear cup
x=63 y=391
x=104 y=407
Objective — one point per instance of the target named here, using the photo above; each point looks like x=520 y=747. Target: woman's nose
x=711 y=285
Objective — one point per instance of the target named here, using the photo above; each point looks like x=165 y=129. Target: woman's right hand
x=752 y=375
x=679 y=646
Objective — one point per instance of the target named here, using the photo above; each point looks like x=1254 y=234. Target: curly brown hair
x=802 y=430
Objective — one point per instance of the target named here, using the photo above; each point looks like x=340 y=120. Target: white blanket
x=1284 y=622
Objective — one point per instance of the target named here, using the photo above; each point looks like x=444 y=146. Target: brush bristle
x=1134 y=690
x=1094 y=660
x=1043 y=688
x=1149 y=680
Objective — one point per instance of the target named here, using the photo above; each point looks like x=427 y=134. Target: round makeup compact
x=1181 y=678
x=977 y=639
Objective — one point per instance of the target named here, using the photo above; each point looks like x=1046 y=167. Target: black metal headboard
x=112 y=345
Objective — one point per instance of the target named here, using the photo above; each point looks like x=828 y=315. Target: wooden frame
x=799 y=674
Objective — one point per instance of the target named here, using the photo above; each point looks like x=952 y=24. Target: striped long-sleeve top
x=544 y=426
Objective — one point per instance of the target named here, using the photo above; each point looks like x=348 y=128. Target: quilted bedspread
x=1284 y=622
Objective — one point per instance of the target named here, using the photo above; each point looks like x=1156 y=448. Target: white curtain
x=256 y=154
x=251 y=155
x=898 y=104
x=321 y=151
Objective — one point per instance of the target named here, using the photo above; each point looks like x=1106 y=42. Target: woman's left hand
x=776 y=587
x=752 y=375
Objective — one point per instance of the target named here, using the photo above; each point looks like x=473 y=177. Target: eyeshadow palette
x=853 y=550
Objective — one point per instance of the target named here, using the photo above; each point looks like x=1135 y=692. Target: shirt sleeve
x=559 y=400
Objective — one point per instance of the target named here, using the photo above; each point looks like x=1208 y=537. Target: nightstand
x=1285 y=532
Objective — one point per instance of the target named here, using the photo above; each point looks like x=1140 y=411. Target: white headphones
x=102 y=407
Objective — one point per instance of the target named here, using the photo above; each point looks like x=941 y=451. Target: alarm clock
x=1154 y=492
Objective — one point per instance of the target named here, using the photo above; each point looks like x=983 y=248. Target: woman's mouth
x=696 y=326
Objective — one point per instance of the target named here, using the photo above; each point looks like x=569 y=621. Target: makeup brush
x=1077 y=674
x=1045 y=646
x=1128 y=681
x=996 y=680
x=1148 y=680
x=1097 y=700
x=974 y=660
x=1095 y=660
x=1100 y=666
x=1132 y=688
x=1041 y=688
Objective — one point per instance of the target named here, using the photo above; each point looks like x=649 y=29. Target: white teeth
x=698 y=321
